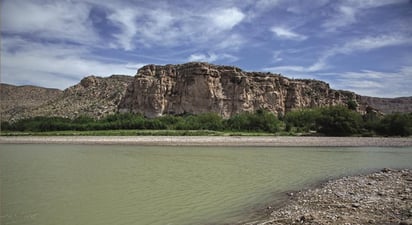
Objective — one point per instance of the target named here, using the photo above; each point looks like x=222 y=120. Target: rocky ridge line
x=189 y=88
x=195 y=88
x=93 y=96
x=15 y=100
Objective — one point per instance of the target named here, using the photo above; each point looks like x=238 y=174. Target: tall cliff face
x=191 y=88
x=200 y=87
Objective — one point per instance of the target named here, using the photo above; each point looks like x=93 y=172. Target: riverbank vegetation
x=329 y=121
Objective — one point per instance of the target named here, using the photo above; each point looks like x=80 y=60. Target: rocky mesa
x=189 y=88
x=196 y=87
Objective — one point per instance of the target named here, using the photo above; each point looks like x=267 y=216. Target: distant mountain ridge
x=15 y=100
x=189 y=88
x=93 y=96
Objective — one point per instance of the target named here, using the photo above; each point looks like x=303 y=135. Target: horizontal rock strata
x=190 y=88
x=195 y=88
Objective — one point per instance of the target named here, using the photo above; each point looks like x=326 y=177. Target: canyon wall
x=190 y=88
x=194 y=88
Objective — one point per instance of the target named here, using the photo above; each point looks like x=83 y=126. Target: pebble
x=355 y=205
x=406 y=222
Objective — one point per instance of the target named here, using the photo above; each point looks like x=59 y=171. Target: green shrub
x=339 y=121
x=259 y=121
x=395 y=125
x=302 y=119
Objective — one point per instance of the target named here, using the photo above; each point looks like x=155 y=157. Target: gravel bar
x=212 y=141
x=383 y=197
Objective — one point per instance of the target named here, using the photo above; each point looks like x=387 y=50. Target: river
x=140 y=185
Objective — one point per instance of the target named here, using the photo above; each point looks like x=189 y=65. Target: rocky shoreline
x=383 y=197
x=269 y=141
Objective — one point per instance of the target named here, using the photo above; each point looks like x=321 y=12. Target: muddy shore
x=383 y=197
x=213 y=141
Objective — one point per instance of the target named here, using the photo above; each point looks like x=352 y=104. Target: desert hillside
x=189 y=88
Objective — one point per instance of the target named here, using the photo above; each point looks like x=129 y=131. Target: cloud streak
x=59 y=20
x=211 y=57
x=39 y=64
x=170 y=26
x=226 y=19
x=354 y=46
x=346 y=13
x=284 y=33
x=377 y=83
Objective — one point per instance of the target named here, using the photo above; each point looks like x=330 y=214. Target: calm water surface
x=84 y=184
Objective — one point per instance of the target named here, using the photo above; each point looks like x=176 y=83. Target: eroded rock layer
x=200 y=87
x=190 y=88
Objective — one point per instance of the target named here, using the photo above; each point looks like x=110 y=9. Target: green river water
x=134 y=185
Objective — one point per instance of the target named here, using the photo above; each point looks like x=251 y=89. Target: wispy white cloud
x=232 y=42
x=303 y=7
x=344 y=16
x=297 y=70
x=363 y=82
x=277 y=56
x=377 y=83
x=364 y=44
x=372 y=42
x=171 y=26
x=366 y=82
x=147 y=25
x=211 y=57
x=284 y=33
x=49 y=20
x=226 y=19
x=40 y=64
x=346 y=12
x=202 y=57
x=125 y=20
x=258 y=7
x=263 y=5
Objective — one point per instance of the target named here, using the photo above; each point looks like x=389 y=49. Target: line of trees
x=343 y=121
x=260 y=121
x=331 y=121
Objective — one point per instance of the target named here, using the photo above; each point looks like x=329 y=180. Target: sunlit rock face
x=194 y=88
x=190 y=88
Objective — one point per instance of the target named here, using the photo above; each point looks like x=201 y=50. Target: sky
x=363 y=46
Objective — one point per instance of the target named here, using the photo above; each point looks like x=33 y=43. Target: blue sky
x=358 y=45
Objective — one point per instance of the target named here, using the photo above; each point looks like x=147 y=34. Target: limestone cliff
x=200 y=87
x=190 y=88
